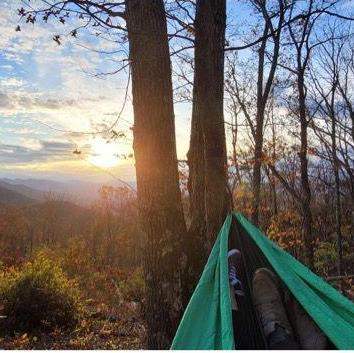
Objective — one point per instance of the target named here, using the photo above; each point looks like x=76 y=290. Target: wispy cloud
x=39 y=151
x=44 y=87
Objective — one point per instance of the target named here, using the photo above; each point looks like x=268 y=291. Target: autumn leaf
x=56 y=39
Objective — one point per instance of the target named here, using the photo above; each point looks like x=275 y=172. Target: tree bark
x=258 y=141
x=196 y=187
x=272 y=176
x=263 y=91
x=352 y=224
x=338 y=214
x=305 y=183
x=210 y=22
x=159 y=196
x=207 y=153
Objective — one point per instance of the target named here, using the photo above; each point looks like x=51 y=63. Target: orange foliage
x=285 y=229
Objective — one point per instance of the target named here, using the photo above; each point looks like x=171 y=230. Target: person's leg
x=309 y=335
x=280 y=339
x=236 y=271
x=267 y=296
x=241 y=304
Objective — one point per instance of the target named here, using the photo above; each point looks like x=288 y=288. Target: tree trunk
x=196 y=187
x=207 y=153
x=338 y=214
x=208 y=100
x=352 y=225
x=256 y=178
x=263 y=91
x=272 y=176
x=159 y=197
x=258 y=141
x=234 y=132
x=305 y=183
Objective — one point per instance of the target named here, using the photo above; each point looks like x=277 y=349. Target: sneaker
x=268 y=301
x=281 y=340
x=309 y=334
x=235 y=270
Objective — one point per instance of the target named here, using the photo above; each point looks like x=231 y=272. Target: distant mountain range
x=10 y=197
x=25 y=191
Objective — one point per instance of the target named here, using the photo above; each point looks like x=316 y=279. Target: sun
x=103 y=154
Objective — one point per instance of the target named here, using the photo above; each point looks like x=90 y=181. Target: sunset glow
x=103 y=154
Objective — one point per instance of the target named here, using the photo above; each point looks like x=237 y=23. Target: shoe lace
x=234 y=281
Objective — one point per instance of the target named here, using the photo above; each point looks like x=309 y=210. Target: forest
x=269 y=86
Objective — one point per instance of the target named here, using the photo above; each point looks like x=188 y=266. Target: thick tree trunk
x=207 y=153
x=196 y=180
x=160 y=206
x=196 y=187
x=305 y=183
x=208 y=99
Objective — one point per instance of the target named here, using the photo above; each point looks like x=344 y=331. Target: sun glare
x=103 y=154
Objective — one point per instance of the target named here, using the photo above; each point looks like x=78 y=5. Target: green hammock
x=208 y=322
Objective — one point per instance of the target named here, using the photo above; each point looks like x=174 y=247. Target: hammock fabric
x=208 y=322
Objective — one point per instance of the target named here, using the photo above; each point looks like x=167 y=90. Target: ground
x=101 y=327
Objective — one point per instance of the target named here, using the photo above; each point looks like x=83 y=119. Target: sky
x=51 y=104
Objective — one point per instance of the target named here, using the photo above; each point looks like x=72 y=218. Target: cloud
x=44 y=151
x=7 y=67
x=11 y=82
x=33 y=101
x=6 y=101
x=43 y=87
x=50 y=84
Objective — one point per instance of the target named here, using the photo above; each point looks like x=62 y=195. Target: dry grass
x=102 y=327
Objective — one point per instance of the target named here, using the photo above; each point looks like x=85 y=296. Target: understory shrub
x=325 y=257
x=133 y=288
x=39 y=297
